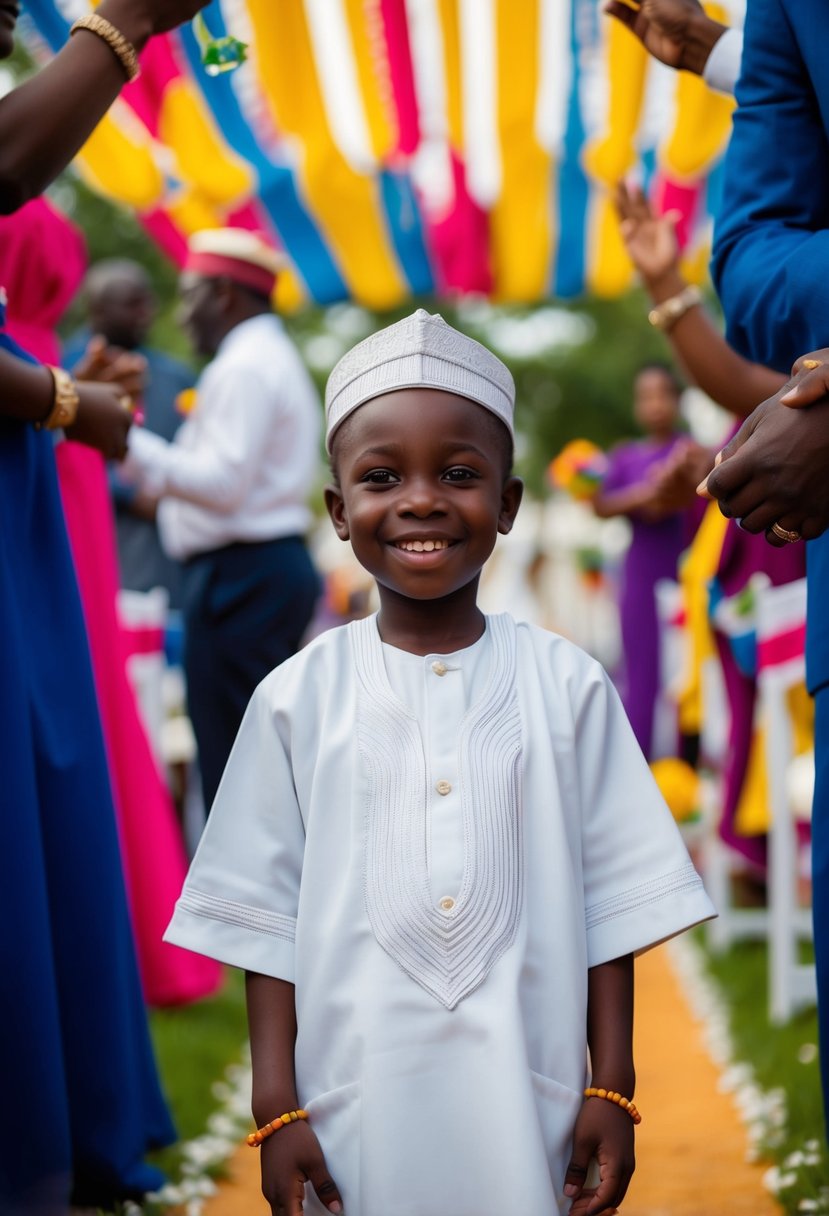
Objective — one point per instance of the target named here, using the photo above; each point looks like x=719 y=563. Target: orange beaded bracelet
x=262 y=1133
x=610 y=1095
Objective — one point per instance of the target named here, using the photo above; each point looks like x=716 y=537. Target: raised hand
x=290 y=1158
x=650 y=239
x=110 y=365
x=679 y=33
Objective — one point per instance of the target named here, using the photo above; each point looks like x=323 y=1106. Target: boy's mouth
x=422 y=546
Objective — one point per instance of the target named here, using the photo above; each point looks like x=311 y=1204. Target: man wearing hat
x=234 y=486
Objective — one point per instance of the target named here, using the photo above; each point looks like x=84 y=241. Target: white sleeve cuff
x=254 y=939
x=722 y=70
x=646 y=915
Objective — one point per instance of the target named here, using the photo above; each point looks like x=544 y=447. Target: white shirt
x=243 y=464
x=434 y=850
x=722 y=69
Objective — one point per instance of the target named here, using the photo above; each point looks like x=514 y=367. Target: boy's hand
x=604 y=1131
x=290 y=1158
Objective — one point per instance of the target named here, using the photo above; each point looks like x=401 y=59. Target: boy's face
x=423 y=490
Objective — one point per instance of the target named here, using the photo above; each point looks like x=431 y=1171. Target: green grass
x=194 y=1045
x=782 y=1058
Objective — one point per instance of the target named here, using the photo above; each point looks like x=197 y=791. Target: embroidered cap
x=237 y=254
x=421 y=351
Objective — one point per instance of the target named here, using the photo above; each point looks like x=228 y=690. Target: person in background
x=121 y=306
x=737 y=384
x=234 y=486
x=658 y=537
x=82 y=1098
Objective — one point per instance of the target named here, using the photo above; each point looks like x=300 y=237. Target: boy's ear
x=336 y=509
x=511 y=496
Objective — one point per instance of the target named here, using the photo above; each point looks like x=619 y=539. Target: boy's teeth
x=424 y=546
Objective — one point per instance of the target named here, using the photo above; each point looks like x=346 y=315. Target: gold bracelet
x=610 y=1095
x=65 y=403
x=262 y=1133
x=665 y=315
x=123 y=50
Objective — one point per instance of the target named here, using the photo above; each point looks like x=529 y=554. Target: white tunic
x=435 y=850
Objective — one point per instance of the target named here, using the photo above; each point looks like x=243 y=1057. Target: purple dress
x=653 y=554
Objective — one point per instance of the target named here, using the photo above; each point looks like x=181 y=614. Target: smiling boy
x=436 y=845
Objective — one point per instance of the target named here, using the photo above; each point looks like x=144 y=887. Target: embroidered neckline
x=448 y=954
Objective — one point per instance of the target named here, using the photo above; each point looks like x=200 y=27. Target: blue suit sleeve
x=771 y=247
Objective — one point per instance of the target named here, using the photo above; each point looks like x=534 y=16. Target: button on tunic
x=439 y=943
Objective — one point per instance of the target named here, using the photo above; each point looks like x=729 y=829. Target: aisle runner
x=691 y=1146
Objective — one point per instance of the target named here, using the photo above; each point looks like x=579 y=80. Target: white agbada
x=435 y=850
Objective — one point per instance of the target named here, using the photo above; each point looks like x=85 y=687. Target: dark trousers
x=246 y=608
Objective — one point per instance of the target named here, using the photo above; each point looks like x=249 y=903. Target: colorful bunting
x=396 y=148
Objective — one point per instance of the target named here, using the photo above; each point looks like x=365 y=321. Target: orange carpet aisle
x=691 y=1145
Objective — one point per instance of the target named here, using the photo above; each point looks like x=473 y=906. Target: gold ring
x=811 y=364
x=790 y=538
x=126 y=402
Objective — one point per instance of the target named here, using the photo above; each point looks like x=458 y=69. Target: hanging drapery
x=396 y=148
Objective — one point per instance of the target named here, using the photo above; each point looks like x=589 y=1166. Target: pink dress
x=42 y=262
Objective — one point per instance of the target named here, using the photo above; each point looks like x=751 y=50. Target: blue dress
x=81 y=1102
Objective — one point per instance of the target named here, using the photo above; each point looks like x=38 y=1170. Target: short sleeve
x=239 y=902
x=640 y=884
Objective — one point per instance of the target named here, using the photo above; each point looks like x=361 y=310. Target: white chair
x=781 y=619
x=143 y=616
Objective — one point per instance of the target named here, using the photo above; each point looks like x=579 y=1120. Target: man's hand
x=776 y=468
x=111 y=365
x=679 y=33
x=103 y=420
x=809 y=380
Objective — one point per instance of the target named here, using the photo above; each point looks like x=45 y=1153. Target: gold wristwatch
x=665 y=315
x=65 y=406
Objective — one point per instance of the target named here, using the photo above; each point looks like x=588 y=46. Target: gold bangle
x=610 y=1095
x=65 y=403
x=665 y=315
x=123 y=50
x=262 y=1133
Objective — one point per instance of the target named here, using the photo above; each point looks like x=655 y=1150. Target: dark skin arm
x=677 y=32
x=27 y=394
x=604 y=1130
x=291 y=1156
x=733 y=382
x=46 y=120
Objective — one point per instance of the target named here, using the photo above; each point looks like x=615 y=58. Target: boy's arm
x=604 y=1130
x=291 y=1156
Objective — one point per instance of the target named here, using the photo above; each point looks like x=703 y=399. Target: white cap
x=421 y=351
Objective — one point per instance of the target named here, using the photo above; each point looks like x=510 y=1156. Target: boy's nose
x=421 y=500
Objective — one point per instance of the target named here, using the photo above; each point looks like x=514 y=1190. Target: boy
x=436 y=845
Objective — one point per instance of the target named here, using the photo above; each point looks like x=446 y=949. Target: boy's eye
x=459 y=473
x=379 y=477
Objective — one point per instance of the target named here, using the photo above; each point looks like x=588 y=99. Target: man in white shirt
x=234 y=486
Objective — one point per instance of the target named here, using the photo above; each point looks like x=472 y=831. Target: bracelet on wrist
x=610 y=1095
x=665 y=315
x=123 y=50
x=262 y=1133
x=64 y=403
